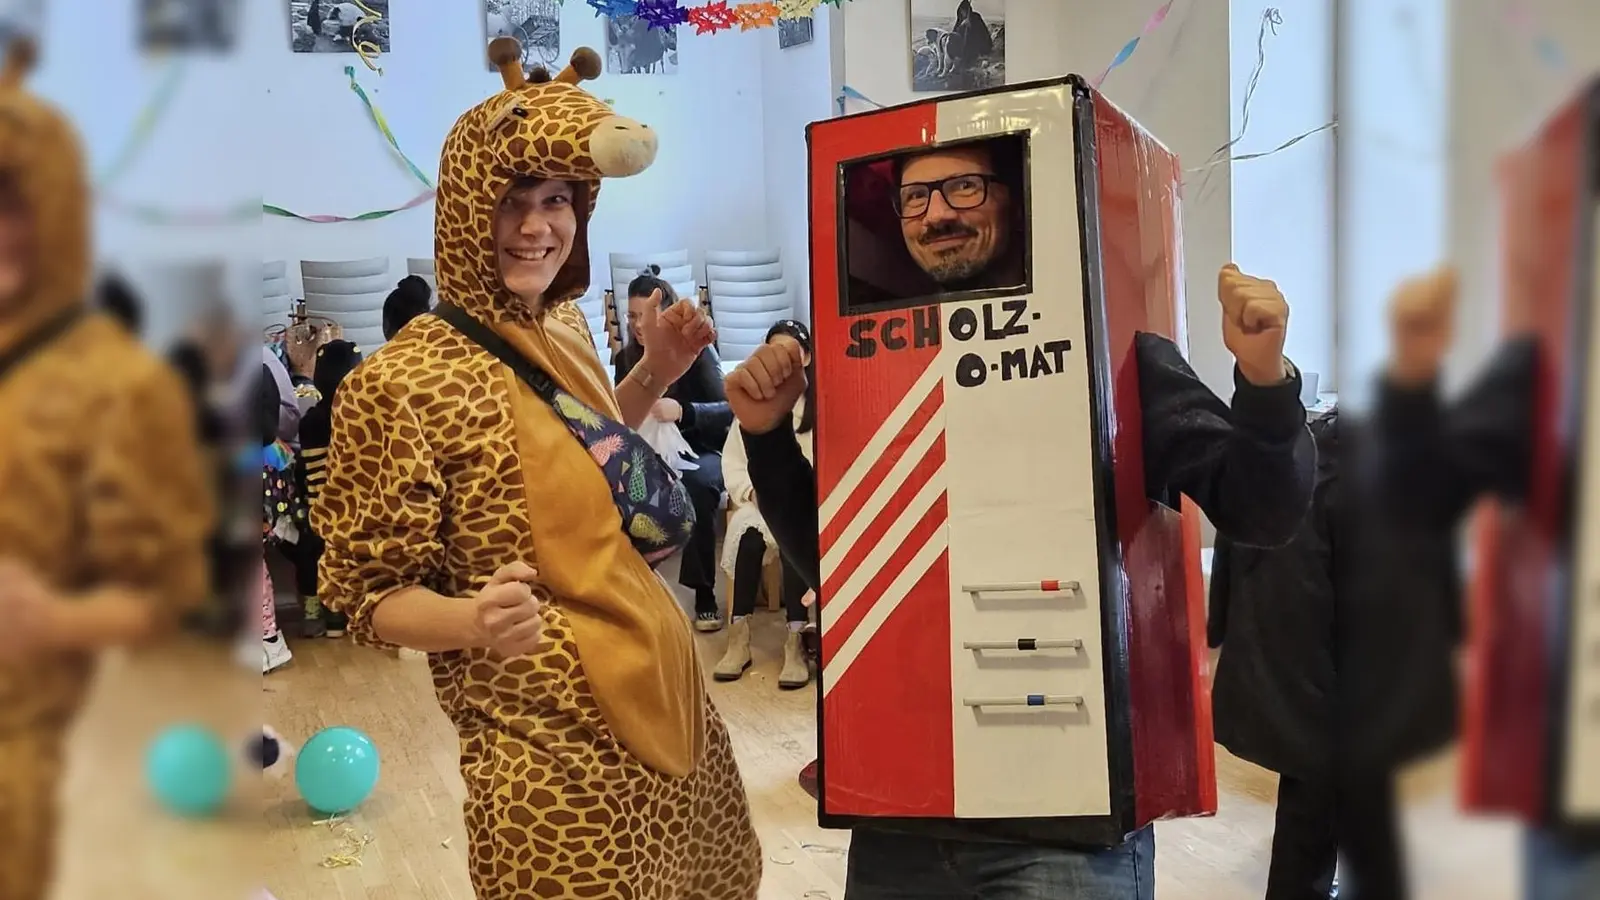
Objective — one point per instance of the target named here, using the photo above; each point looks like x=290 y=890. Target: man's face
x=954 y=215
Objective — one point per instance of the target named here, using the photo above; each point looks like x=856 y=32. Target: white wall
x=1393 y=74
x=1283 y=222
x=1176 y=85
x=702 y=192
x=1500 y=91
x=796 y=89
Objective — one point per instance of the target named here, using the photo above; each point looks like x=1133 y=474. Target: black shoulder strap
x=484 y=337
x=38 y=339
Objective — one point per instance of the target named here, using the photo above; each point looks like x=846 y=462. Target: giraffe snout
x=622 y=147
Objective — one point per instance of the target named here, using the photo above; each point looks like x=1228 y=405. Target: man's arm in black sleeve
x=1250 y=468
x=1438 y=459
x=786 y=494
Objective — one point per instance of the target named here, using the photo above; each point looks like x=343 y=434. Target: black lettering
x=1014 y=364
x=1041 y=364
x=970 y=370
x=862 y=346
x=925 y=326
x=892 y=339
x=1017 y=307
x=991 y=333
x=1059 y=349
x=963 y=324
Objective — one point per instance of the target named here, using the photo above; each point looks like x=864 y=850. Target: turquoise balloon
x=336 y=770
x=189 y=770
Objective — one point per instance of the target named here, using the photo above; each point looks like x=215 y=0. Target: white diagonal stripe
x=838 y=602
x=882 y=493
x=886 y=605
x=881 y=439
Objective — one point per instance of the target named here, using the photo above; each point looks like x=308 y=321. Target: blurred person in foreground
x=104 y=506
x=1338 y=650
x=1438 y=460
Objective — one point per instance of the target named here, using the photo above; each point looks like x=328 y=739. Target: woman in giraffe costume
x=465 y=516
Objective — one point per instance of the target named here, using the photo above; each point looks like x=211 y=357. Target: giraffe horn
x=585 y=66
x=20 y=57
x=506 y=55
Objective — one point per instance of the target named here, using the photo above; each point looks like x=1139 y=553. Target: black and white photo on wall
x=634 y=48
x=536 y=24
x=21 y=19
x=957 y=45
x=794 y=32
x=325 y=26
x=188 y=25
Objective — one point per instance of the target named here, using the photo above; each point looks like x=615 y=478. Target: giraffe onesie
x=595 y=767
x=101 y=481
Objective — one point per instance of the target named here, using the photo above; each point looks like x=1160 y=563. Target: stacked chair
x=351 y=293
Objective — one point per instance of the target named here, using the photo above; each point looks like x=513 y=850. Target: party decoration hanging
x=383 y=126
x=1122 y=56
x=712 y=18
x=756 y=15
x=661 y=14
x=367 y=49
x=612 y=7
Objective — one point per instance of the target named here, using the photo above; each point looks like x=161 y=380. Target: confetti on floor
x=350 y=855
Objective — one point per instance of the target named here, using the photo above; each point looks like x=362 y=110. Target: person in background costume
x=1250 y=468
x=335 y=361
x=696 y=404
x=749 y=546
x=468 y=516
x=104 y=504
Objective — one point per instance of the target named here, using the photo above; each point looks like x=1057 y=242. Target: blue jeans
x=1554 y=871
x=889 y=866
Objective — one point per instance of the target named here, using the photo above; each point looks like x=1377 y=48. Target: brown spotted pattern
x=425 y=486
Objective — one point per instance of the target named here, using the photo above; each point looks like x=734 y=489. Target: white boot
x=796 y=671
x=737 y=657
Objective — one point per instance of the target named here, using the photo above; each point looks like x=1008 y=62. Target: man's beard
x=955 y=265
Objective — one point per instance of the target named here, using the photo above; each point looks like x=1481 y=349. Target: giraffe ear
x=585 y=66
x=506 y=55
x=20 y=58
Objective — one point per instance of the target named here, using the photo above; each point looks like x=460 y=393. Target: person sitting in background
x=697 y=404
x=410 y=298
x=116 y=298
x=335 y=360
x=749 y=545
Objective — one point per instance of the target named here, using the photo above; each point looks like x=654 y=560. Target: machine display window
x=935 y=224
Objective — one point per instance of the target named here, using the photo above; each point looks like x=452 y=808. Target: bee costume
x=597 y=766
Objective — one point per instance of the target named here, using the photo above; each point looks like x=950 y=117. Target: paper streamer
x=367 y=50
x=849 y=93
x=144 y=125
x=383 y=126
x=1150 y=26
x=419 y=200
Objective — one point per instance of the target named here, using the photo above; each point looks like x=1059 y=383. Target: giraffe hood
x=539 y=127
x=40 y=156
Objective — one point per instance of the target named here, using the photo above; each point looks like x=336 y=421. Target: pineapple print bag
x=656 y=513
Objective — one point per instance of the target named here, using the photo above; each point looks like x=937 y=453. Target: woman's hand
x=508 y=614
x=673 y=338
x=29 y=610
x=666 y=410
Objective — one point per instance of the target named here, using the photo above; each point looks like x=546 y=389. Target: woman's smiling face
x=534 y=227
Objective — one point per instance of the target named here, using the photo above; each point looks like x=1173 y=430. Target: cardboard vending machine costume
x=1011 y=630
x=1532 y=717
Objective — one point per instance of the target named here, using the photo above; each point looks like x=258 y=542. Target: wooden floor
x=117 y=845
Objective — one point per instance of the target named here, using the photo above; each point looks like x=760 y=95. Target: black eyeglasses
x=959 y=192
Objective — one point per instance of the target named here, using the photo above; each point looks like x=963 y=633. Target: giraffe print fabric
x=597 y=766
